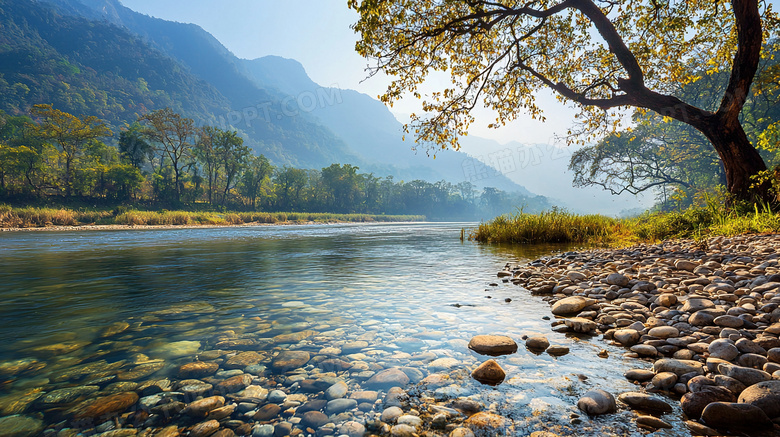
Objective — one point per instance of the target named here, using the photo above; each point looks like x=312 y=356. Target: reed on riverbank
x=31 y=217
x=560 y=226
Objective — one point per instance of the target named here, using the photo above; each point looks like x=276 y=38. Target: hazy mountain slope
x=544 y=169
x=90 y=68
x=369 y=128
x=194 y=54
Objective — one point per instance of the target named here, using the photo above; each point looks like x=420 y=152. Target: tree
x=257 y=171
x=206 y=154
x=600 y=55
x=133 y=147
x=658 y=153
x=173 y=135
x=232 y=155
x=70 y=133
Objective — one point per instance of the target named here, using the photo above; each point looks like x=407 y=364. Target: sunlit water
x=414 y=291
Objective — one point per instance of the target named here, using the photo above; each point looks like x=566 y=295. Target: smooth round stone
x=557 y=351
x=745 y=375
x=461 y=432
x=730 y=384
x=700 y=318
x=752 y=360
x=680 y=367
x=746 y=346
x=626 y=337
x=493 y=345
x=664 y=380
x=652 y=422
x=664 y=332
x=576 y=276
x=489 y=372
x=537 y=343
x=106 y=405
x=728 y=414
x=617 y=279
x=643 y=401
x=693 y=403
x=764 y=395
x=388 y=378
x=337 y=406
x=639 y=375
x=485 y=423
x=666 y=299
x=773 y=355
x=724 y=349
x=314 y=419
x=403 y=431
x=443 y=364
x=644 y=350
x=243 y=360
x=20 y=426
x=276 y=396
x=336 y=391
x=579 y=324
x=207 y=428
x=263 y=431
x=408 y=419
x=289 y=360
x=571 y=305
x=198 y=369
x=352 y=429
x=389 y=415
x=201 y=407
x=597 y=402
x=697 y=304
x=267 y=412
x=729 y=321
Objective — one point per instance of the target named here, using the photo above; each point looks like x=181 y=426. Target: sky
x=317 y=34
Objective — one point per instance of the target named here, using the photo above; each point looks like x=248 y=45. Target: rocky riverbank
x=705 y=314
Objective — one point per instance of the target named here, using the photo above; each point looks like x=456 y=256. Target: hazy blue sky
x=317 y=33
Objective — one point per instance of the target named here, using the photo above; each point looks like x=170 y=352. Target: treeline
x=165 y=160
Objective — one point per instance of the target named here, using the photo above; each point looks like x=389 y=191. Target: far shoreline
x=119 y=227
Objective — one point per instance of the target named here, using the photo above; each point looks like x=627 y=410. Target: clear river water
x=414 y=293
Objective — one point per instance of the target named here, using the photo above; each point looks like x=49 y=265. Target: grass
x=560 y=226
x=31 y=217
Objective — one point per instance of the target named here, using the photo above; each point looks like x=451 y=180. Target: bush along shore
x=703 y=315
x=33 y=217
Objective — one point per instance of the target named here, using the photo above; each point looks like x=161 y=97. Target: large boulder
x=734 y=415
x=489 y=373
x=764 y=395
x=571 y=305
x=693 y=403
x=597 y=402
x=493 y=345
x=745 y=375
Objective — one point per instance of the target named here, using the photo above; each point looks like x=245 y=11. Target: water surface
x=415 y=292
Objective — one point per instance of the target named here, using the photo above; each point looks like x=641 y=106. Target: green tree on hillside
x=602 y=56
x=173 y=136
x=70 y=133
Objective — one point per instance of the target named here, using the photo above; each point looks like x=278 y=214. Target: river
x=414 y=293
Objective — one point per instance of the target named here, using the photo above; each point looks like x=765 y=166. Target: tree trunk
x=740 y=159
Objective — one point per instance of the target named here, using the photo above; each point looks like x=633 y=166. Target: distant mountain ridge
x=140 y=63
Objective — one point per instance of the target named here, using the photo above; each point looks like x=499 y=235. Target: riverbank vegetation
x=560 y=226
x=163 y=161
x=29 y=217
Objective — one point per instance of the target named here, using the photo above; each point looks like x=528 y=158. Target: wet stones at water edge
x=706 y=313
x=493 y=345
x=489 y=372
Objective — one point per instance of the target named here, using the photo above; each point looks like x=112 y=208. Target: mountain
x=94 y=53
x=544 y=169
x=368 y=127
